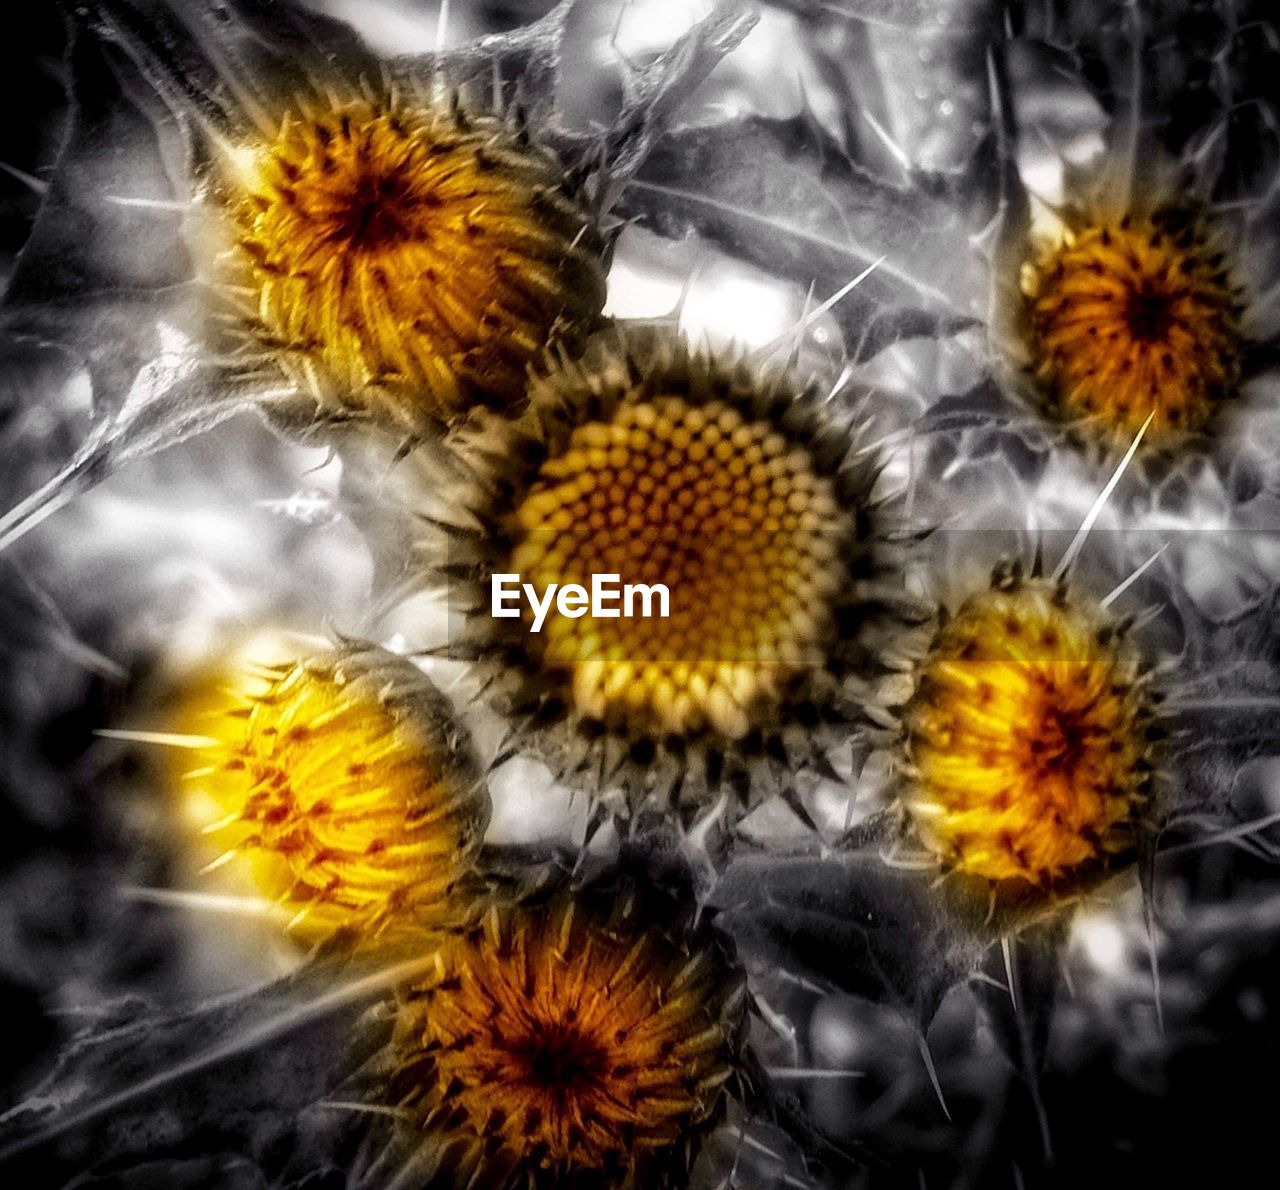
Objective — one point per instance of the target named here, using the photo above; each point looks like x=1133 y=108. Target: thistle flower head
x=1027 y=736
x=725 y=512
x=745 y=498
x=571 y=1043
x=345 y=782
x=400 y=258
x=1134 y=316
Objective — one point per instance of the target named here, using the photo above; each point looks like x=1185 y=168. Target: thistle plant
x=906 y=821
x=356 y=239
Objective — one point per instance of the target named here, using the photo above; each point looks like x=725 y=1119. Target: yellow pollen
x=405 y=259
x=1132 y=317
x=724 y=511
x=338 y=782
x=556 y=1041
x=1027 y=734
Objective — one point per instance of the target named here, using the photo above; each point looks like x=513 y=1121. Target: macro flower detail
x=1132 y=317
x=711 y=815
x=403 y=258
x=746 y=497
x=725 y=513
x=1027 y=739
x=565 y=1043
x=344 y=782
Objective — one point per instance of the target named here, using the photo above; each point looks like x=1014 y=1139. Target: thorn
x=1006 y=947
x=151 y=204
x=1077 y=542
x=1133 y=578
x=166 y=739
x=797 y=1072
x=933 y=1074
x=819 y=310
x=221 y=862
x=211 y=902
x=896 y=151
x=29 y=180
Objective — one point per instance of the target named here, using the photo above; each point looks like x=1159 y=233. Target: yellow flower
x=344 y=781
x=731 y=517
x=1134 y=316
x=578 y=1041
x=1027 y=737
x=742 y=494
x=401 y=258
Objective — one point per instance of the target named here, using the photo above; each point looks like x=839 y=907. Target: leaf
x=892 y=14
x=212 y=56
x=653 y=93
x=784 y=196
x=525 y=66
x=852 y=924
x=983 y=405
x=176 y=396
x=95 y=272
x=138 y=1083
x=522 y=66
x=1224 y=707
x=225 y=1171
x=1020 y=998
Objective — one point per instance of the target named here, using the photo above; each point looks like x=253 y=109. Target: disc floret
x=568 y=1043
x=724 y=512
x=740 y=493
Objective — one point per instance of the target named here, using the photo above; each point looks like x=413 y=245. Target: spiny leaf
x=783 y=195
x=654 y=92
x=95 y=272
x=851 y=924
x=136 y=1081
x=893 y=14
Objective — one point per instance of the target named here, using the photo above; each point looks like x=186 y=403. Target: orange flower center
x=1133 y=318
x=407 y=254
x=573 y=1044
x=730 y=517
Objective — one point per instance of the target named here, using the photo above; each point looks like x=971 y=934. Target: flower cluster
x=412 y=268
